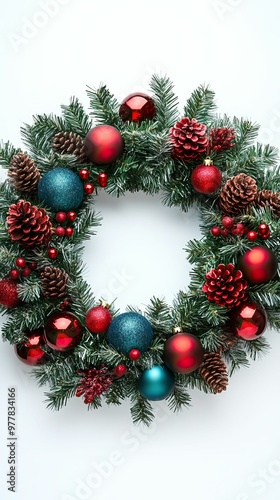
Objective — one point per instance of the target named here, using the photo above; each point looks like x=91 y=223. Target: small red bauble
x=134 y=354
x=258 y=265
x=9 y=293
x=84 y=174
x=137 y=107
x=252 y=235
x=206 y=178
x=33 y=265
x=60 y=231
x=26 y=272
x=52 y=253
x=61 y=217
x=227 y=222
x=102 y=179
x=248 y=321
x=14 y=274
x=224 y=233
x=265 y=236
x=216 y=231
x=31 y=352
x=183 y=353
x=104 y=144
x=120 y=370
x=71 y=215
x=63 y=331
x=69 y=231
x=98 y=319
x=263 y=229
x=20 y=262
x=88 y=188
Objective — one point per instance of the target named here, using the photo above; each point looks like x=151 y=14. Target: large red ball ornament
x=63 y=331
x=9 y=293
x=104 y=144
x=258 y=265
x=206 y=179
x=137 y=107
x=183 y=353
x=98 y=319
x=31 y=352
x=248 y=321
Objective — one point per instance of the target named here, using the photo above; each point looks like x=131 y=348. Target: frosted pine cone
x=23 y=174
x=225 y=286
x=189 y=140
x=237 y=194
x=70 y=143
x=28 y=225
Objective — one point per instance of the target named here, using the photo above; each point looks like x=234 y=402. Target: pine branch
x=76 y=118
x=166 y=102
x=7 y=151
x=201 y=105
x=104 y=106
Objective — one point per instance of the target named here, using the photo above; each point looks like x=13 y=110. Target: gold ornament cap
x=177 y=329
x=208 y=162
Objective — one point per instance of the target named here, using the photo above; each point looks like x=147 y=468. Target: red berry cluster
x=95 y=381
x=62 y=218
x=102 y=180
x=24 y=269
x=230 y=228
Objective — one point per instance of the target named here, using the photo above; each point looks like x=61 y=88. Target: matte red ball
x=26 y=272
x=206 y=179
x=104 y=144
x=88 y=188
x=252 y=235
x=84 y=174
x=69 y=231
x=60 y=231
x=183 y=353
x=61 y=217
x=14 y=274
x=137 y=107
x=98 y=319
x=102 y=179
x=20 y=262
x=9 y=293
x=258 y=265
x=71 y=215
x=31 y=352
x=52 y=253
x=248 y=321
x=63 y=331
x=120 y=370
x=134 y=354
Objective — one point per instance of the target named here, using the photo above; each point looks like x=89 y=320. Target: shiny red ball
x=206 y=179
x=31 y=352
x=61 y=217
x=69 y=231
x=9 y=293
x=104 y=144
x=263 y=229
x=120 y=370
x=63 y=331
x=71 y=215
x=20 y=262
x=183 y=353
x=216 y=231
x=102 y=179
x=134 y=354
x=88 y=188
x=52 y=253
x=137 y=107
x=84 y=174
x=252 y=235
x=265 y=236
x=14 y=274
x=98 y=319
x=248 y=321
x=26 y=272
x=258 y=265
x=60 y=231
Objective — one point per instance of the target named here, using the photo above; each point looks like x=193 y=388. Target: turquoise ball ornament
x=130 y=331
x=156 y=383
x=61 y=189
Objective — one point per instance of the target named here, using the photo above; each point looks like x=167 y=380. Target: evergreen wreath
x=82 y=346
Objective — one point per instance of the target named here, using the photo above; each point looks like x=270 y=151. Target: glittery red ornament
x=88 y=188
x=9 y=293
x=102 y=179
x=258 y=265
x=183 y=353
x=248 y=321
x=134 y=354
x=84 y=174
x=98 y=319
x=63 y=331
x=206 y=178
x=61 y=217
x=137 y=107
x=120 y=370
x=52 y=253
x=31 y=352
x=104 y=144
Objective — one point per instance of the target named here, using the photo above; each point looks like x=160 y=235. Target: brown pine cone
x=267 y=198
x=225 y=286
x=70 y=143
x=213 y=370
x=54 y=283
x=237 y=194
x=23 y=174
x=189 y=140
x=28 y=225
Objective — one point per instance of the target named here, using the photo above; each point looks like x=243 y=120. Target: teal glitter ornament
x=156 y=383
x=61 y=189
x=130 y=331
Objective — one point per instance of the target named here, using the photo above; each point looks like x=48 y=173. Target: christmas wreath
x=82 y=346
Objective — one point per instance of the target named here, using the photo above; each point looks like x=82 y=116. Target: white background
x=225 y=447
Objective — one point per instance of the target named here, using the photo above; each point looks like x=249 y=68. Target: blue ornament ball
x=130 y=331
x=156 y=383
x=61 y=189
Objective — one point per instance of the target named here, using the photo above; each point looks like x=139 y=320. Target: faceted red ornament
x=84 y=174
x=134 y=354
x=104 y=144
x=88 y=188
x=258 y=265
x=60 y=231
x=120 y=370
x=183 y=353
x=26 y=272
x=61 y=217
x=14 y=274
x=206 y=178
x=20 y=262
x=63 y=331
x=248 y=321
x=98 y=319
x=52 y=253
x=71 y=215
x=137 y=107
x=102 y=179
x=9 y=293
x=31 y=352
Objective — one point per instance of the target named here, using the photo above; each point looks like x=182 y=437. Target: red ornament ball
x=60 y=231
x=31 y=352
x=137 y=107
x=206 y=179
x=248 y=321
x=88 y=188
x=258 y=265
x=252 y=235
x=71 y=215
x=216 y=231
x=120 y=370
x=9 y=293
x=69 y=231
x=227 y=222
x=63 y=331
x=26 y=272
x=52 y=253
x=134 y=354
x=14 y=274
x=20 y=262
x=61 y=217
x=102 y=179
x=183 y=353
x=84 y=174
x=98 y=319
x=263 y=229
x=104 y=144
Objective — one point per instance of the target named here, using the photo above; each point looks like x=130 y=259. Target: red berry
x=64 y=305
x=69 y=231
x=84 y=174
x=52 y=253
x=216 y=231
x=263 y=229
x=71 y=215
x=88 y=188
x=33 y=265
x=61 y=217
x=20 y=262
x=227 y=222
x=134 y=354
x=240 y=228
x=102 y=179
x=60 y=231
x=252 y=235
x=265 y=236
x=120 y=370
x=14 y=274
x=224 y=233
x=26 y=272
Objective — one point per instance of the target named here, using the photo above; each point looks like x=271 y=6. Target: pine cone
x=54 y=283
x=70 y=143
x=237 y=194
x=221 y=139
x=266 y=198
x=225 y=286
x=28 y=225
x=189 y=140
x=95 y=381
x=23 y=174
x=214 y=371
